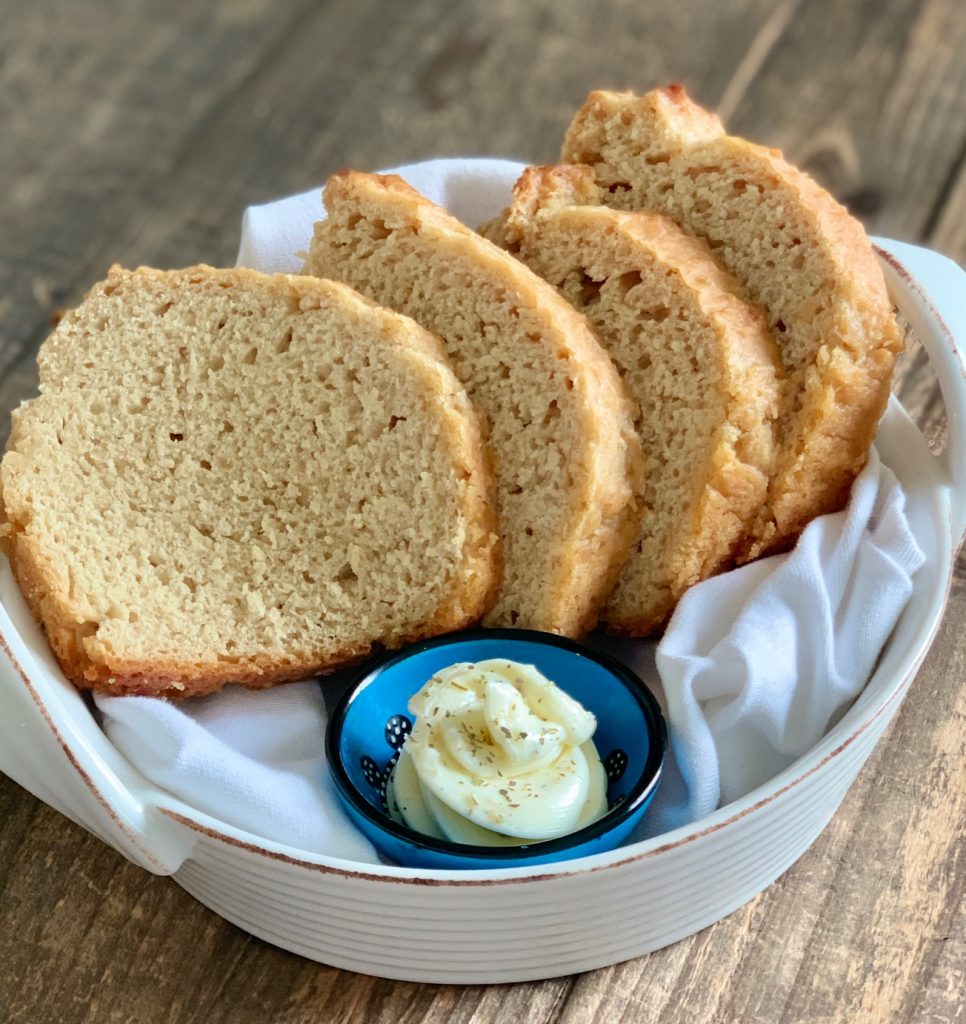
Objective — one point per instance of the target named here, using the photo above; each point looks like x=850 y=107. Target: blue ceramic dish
x=371 y=722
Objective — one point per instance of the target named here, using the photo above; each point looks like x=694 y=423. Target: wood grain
x=138 y=134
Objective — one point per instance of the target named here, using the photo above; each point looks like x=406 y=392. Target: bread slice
x=229 y=476
x=700 y=362
x=560 y=423
x=798 y=253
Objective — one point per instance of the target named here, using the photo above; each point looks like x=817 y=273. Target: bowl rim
x=639 y=795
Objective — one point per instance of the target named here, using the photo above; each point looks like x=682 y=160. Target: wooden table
x=138 y=132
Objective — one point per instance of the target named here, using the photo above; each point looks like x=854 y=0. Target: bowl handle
x=933 y=292
x=50 y=745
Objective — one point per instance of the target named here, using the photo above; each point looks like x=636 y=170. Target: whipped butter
x=498 y=755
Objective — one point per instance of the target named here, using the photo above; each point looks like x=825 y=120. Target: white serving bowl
x=514 y=924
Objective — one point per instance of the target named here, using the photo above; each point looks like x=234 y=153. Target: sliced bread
x=796 y=251
x=700 y=363
x=559 y=418
x=229 y=476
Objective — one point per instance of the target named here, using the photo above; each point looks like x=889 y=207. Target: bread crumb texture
x=799 y=254
x=700 y=363
x=565 y=453
x=229 y=476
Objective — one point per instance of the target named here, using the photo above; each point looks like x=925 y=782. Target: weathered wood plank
x=870 y=97
x=940 y=999
x=949 y=232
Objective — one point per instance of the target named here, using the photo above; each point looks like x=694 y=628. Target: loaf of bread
x=559 y=418
x=796 y=251
x=700 y=363
x=229 y=476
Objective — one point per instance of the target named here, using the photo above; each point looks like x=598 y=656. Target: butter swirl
x=498 y=755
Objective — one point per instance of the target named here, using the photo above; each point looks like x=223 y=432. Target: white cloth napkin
x=755 y=665
x=251 y=758
x=758 y=663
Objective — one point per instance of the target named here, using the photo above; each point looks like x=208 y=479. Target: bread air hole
x=286 y=343
x=627 y=281
x=346 y=575
x=655 y=314
x=696 y=172
x=589 y=290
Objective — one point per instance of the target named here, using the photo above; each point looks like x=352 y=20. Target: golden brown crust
x=853 y=370
x=47 y=583
x=839 y=391
x=551 y=227
x=606 y=469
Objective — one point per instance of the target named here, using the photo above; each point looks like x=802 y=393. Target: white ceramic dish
x=512 y=924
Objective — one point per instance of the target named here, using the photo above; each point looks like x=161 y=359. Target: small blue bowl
x=371 y=722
